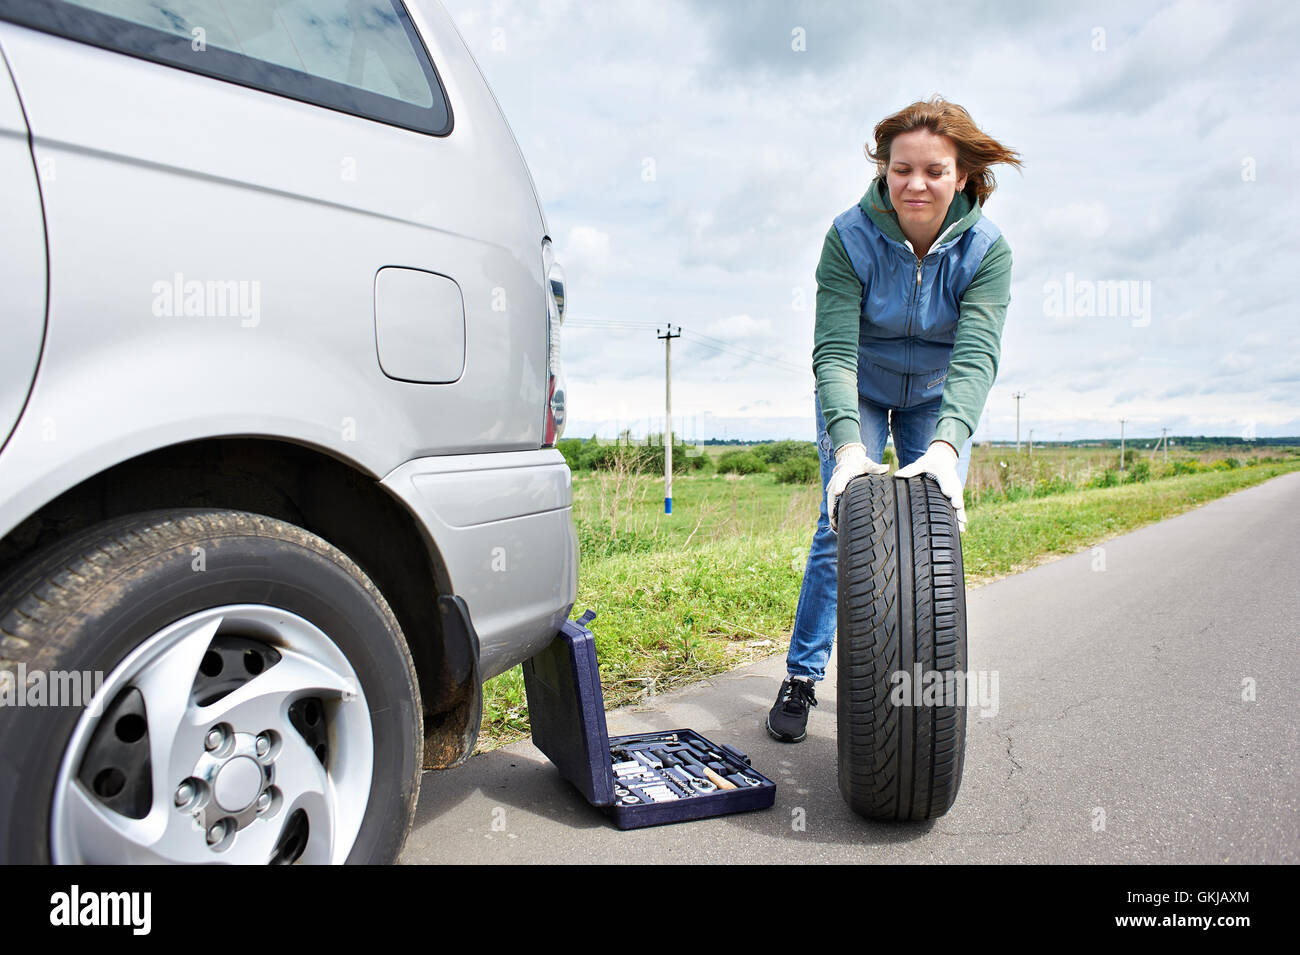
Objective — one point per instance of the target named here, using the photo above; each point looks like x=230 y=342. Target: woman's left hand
x=940 y=461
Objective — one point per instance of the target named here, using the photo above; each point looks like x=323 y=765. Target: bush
x=1187 y=467
x=596 y=455
x=697 y=462
x=636 y=457
x=1107 y=478
x=1140 y=472
x=778 y=452
x=653 y=459
x=571 y=448
x=741 y=462
x=1056 y=484
x=603 y=457
x=801 y=470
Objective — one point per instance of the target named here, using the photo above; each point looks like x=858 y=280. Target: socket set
x=664 y=767
x=643 y=779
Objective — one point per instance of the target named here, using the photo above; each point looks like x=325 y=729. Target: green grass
x=1006 y=537
x=715 y=585
x=623 y=513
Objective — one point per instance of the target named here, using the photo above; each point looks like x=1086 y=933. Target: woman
x=912 y=291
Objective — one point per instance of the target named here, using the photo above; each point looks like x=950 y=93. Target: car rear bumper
x=501 y=526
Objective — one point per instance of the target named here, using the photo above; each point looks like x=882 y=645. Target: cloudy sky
x=690 y=158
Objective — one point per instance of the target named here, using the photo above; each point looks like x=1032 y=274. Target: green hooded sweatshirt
x=977 y=346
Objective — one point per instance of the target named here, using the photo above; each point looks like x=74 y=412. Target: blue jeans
x=814 y=620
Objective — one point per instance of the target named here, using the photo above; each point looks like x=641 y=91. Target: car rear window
x=359 y=56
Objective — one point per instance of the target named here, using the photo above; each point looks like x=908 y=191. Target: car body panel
x=138 y=201
x=22 y=259
x=213 y=258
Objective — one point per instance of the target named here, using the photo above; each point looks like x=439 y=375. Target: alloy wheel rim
x=271 y=764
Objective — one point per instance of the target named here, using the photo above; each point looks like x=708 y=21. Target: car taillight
x=555 y=309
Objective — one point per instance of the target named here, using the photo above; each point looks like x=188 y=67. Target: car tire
x=901 y=609
x=254 y=700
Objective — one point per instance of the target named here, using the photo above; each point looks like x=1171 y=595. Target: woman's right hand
x=850 y=462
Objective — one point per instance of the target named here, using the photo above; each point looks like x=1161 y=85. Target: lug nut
x=214 y=739
x=264 y=802
x=263 y=745
x=184 y=794
x=217 y=832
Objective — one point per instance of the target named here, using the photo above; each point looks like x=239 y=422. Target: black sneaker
x=788 y=718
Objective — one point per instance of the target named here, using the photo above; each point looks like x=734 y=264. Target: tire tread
x=898 y=763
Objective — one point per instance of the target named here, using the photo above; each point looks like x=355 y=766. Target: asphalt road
x=1121 y=732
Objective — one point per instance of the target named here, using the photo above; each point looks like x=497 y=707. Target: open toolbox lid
x=567 y=710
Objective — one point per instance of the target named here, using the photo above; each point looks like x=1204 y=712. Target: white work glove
x=940 y=461
x=850 y=461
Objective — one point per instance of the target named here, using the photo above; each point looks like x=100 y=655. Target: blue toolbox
x=645 y=779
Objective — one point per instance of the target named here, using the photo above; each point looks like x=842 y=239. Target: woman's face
x=923 y=177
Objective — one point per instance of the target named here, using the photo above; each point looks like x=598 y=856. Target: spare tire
x=901 y=619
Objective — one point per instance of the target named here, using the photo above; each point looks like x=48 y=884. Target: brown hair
x=976 y=151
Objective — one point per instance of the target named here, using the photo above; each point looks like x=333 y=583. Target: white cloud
x=1134 y=161
x=739 y=326
x=586 y=249
x=1089 y=220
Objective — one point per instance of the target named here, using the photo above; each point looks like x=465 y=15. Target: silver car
x=279 y=395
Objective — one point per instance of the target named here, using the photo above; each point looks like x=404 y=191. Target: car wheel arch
x=326 y=496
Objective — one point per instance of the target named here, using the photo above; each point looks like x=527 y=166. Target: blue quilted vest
x=909 y=315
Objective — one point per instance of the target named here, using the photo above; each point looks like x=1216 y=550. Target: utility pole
x=1031 y=444
x=668 y=335
x=1164 y=441
x=1018 y=395
x=1121 y=443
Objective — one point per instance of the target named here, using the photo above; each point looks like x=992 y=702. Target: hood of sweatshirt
x=963 y=210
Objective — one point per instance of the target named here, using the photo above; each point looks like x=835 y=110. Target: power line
x=702 y=341
x=741 y=349
x=617 y=326
x=608 y=323
x=771 y=362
